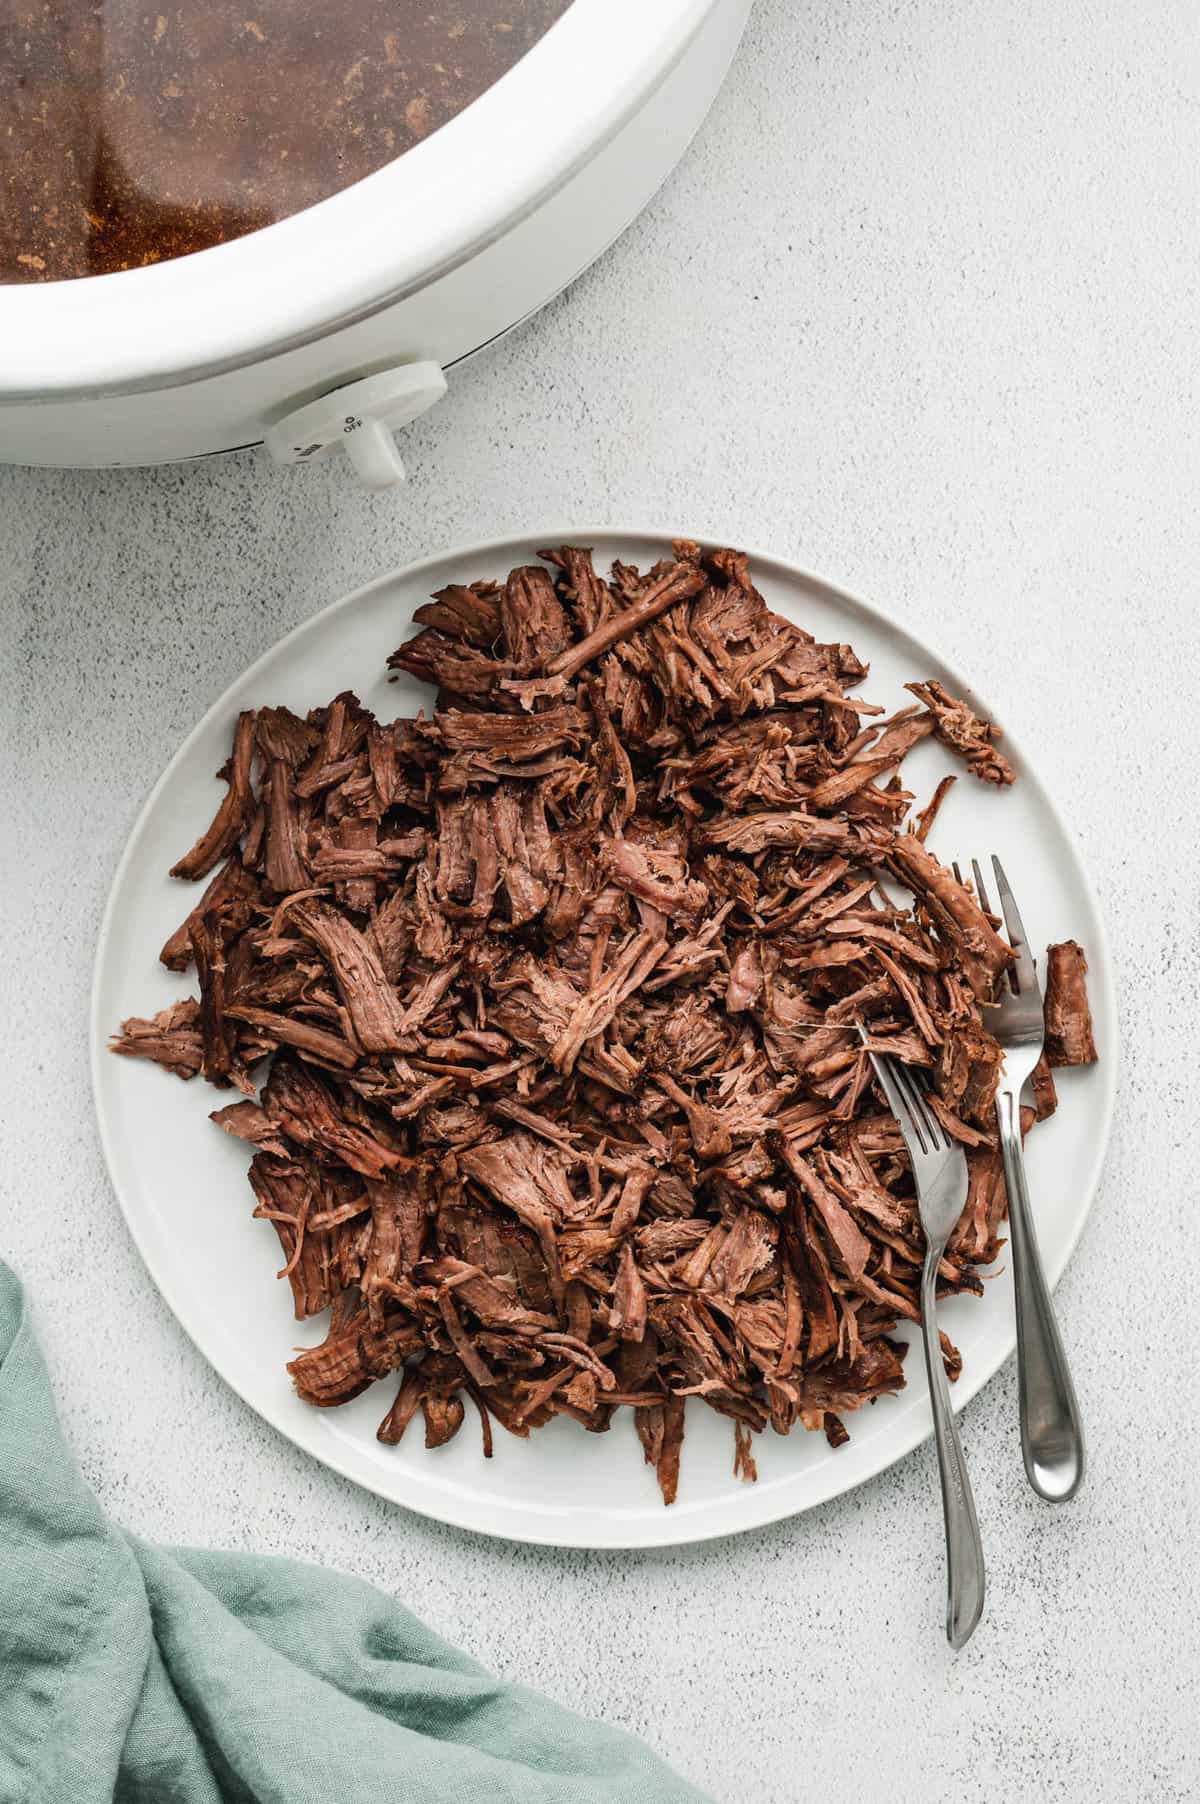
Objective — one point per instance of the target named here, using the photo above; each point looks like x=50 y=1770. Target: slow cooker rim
x=229 y=271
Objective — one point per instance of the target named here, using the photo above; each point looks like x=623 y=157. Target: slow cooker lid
x=134 y=135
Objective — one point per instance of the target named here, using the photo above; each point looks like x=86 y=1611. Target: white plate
x=182 y=1184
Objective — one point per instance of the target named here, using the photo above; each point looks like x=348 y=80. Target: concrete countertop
x=918 y=310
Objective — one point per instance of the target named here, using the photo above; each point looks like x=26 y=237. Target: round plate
x=182 y=1183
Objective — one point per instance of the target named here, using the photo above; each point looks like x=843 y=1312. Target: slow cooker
x=121 y=342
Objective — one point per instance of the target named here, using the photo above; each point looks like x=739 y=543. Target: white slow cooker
x=334 y=326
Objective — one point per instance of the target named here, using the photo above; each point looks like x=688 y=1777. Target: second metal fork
x=1051 y=1429
x=939 y=1170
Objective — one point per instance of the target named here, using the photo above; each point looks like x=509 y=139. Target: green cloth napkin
x=173 y=1676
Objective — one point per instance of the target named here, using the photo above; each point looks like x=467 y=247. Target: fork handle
x=964 y=1549
x=1051 y=1429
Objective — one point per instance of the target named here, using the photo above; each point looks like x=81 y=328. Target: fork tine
x=924 y=1120
x=886 y=1072
x=1009 y=978
x=914 y=1112
x=925 y=1084
x=981 y=894
x=1024 y=973
x=904 y=1089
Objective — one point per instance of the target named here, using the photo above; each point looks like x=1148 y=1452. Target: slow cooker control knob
x=361 y=418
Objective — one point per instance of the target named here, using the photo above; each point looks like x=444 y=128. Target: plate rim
x=772 y=1503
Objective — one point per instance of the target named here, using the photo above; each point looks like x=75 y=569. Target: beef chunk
x=1068 y=1016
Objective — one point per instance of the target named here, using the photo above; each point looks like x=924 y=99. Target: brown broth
x=129 y=135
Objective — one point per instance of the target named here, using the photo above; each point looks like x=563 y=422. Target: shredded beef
x=566 y=1110
x=961 y=729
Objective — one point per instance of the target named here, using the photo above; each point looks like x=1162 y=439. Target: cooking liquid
x=130 y=135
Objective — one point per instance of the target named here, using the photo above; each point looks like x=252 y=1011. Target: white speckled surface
x=919 y=311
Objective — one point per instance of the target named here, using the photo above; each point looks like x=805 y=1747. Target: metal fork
x=939 y=1170
x=1051 y=1429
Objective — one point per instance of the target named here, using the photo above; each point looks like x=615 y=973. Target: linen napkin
x=152 y=1675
